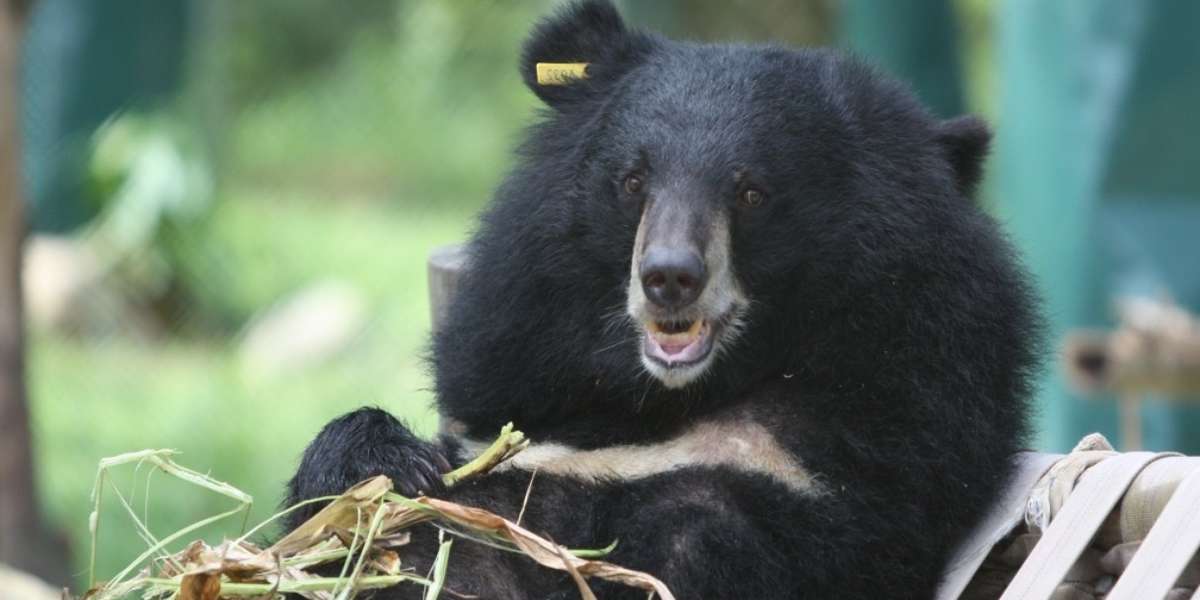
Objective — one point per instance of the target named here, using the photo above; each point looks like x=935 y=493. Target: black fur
x=965 y=140
x=363 y=444
x=889 y=345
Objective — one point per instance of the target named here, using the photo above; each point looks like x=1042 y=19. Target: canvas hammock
x=1092 y=524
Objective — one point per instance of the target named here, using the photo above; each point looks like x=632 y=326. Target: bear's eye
x=750 y=198
x=633 y=183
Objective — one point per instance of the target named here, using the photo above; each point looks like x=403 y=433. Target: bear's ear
x=590 y=32
x=965 y=141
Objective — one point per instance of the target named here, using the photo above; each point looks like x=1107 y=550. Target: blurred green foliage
x=347 y=141
x=154 y=197
x=275 y=44
x=99 y=397
x=422 y=107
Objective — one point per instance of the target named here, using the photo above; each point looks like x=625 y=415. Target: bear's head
x=714 y=215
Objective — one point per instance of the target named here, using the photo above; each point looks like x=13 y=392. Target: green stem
x=510 y=442
x=316 y=584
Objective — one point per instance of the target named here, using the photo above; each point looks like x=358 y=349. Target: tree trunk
x=23 y=542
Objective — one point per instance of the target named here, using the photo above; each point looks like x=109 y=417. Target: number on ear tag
x=560 y=73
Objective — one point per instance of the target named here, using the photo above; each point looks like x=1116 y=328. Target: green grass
x=95 y=398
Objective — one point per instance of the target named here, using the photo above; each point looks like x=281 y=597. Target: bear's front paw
x=360 y=445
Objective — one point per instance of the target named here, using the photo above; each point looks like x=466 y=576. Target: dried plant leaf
x=585 y=592
x=341 y=513
x=365 y=529
x=200 y=586
x=542 y=550
x=386 y=562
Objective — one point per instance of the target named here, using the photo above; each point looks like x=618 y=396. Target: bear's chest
x=740 y=444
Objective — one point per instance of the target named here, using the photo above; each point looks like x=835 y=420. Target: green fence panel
x=915 y=41
x=1097 y=176
x=83 y=61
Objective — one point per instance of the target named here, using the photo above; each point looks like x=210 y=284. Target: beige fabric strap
x=1149 y=494
x=1005 y=514
x=1099 y=490
x=1168 y=548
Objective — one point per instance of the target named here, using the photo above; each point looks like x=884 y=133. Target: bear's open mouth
x=678 y=342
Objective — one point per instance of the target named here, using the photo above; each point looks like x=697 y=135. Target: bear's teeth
x=691 y=327
x=678 y=339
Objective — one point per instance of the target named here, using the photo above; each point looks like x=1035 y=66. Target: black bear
x=741 y=299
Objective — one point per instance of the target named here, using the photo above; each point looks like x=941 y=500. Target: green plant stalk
x=353 y=544
x=140 y=527
x=508 y=443
x=316 y=584
x=161 y=459
x=439 y=571
x=281 y=514
x=171 y=538
x=308 y=560
x=376 y=524
x=595 y=552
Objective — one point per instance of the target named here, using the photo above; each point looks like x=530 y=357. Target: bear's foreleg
x=707 y=532
x=360 y=445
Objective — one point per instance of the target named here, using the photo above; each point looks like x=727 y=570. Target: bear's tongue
x=676 y=342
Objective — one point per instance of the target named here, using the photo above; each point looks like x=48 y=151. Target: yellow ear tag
x=560 y=73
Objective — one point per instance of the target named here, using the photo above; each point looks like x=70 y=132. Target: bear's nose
x=672 y=277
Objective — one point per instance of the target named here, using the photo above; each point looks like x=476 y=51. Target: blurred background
x=217 y=214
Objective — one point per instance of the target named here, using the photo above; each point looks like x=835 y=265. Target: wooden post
x=1130 y=405
x=445 y=266
x=23 y=541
